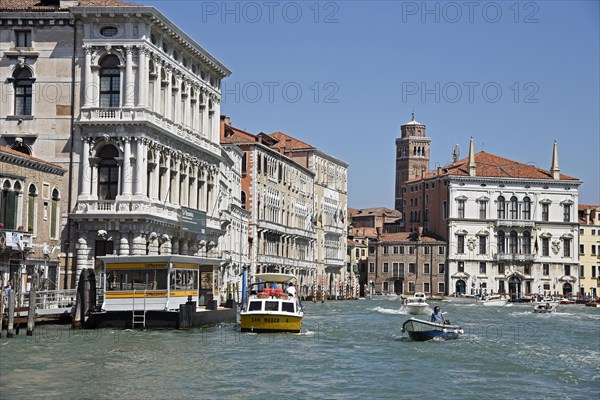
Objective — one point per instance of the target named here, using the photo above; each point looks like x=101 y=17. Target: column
x=89 y=91
x=188 y=109
x=168 y=93
x=215 y=121
x=129 y=81
x=141 y=167
x=194 y=188
x=177 y=108
x=94 y=176
x=166 y=179
x=185 y=186
x=204 y=117
x=86 y=171
x=127 y=171
x=142 y=72
x=139 y=245
x=157 y=87
x=176 y=184
x=124 y=244
x=154 y=195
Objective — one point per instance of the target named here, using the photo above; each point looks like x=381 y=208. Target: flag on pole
x=335 y=216
x=320 y=218
x=342 y=216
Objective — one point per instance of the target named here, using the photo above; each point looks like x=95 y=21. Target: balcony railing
x=122 y=114
x=15 y=240
x=513 y=257
x=517 y=223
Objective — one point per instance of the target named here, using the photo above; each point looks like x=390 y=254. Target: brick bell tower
x=412 y=156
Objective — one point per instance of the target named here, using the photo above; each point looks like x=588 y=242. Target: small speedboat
x=566 y=301
x=593 y=304
x=544 y=308
x=493 y=300
x=420 y=330
x=416 y=304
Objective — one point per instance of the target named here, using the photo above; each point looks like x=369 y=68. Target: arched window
x=110 y=82
x=21 y=148
x=8 y=206
x=501 y=207
x=526 y=246
x=501 y=242
x=54 y=214
x=243 y=199
x=23 y=83
x=31 y=209
x=108 y=173
x=513 y=242
x=514 y=208
x=526 y=208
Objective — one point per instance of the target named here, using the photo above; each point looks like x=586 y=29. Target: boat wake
x=389 y=311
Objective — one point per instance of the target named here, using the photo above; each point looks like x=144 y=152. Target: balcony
x=514 y=257
x=122 y=115
x=514 y=223
x=15 y=240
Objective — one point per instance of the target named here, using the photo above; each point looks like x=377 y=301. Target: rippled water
x=347 y=350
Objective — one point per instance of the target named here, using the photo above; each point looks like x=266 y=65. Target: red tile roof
x=409 y=237
x=374 y=211
x=38 y=5
x=290 y=143
x=15 y=153
x=490 y=165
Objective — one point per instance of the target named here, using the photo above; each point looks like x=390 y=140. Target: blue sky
x=345 y=75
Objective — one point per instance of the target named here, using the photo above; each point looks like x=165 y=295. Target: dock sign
x=193 y=220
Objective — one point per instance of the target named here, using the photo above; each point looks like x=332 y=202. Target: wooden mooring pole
x=11 y=313
x=31 y=311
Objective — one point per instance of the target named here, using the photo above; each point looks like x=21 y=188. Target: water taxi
x=272 y=309
x=416 y=304
x=420 y=330
x=493 y=300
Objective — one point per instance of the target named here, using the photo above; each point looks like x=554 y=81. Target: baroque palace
x=111 y=144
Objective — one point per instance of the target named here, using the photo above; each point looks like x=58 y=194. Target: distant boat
x=493 y=300
x=544 y=308
x=553 y=301
x=566 y=301
x=416 y=304
x=592 y=304
x=419 y=330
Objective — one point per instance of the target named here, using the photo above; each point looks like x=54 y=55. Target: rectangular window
x=581 y=249
x=461 y=208
x=593 y=249
x=482 y=209
x=401 y=249
x=386 y=268
x=567 y=247
x=395 y=271
x=545 y=247
x=527 y=269
x=546 y=269
x=441 y=268
x=567 y=270
x=411 y=249
x=482 y=244
x=581 y=271
x=426 y=287
x=426 y=250
x=386 y=250
x=426 y=268
x=401 y=269
x=482 y=268
x=23 y=38
x=441 y=250
x=411 y=287
x=441 y=287
x=593 y=271
x=545 y=212
x=501 y=209
x=396 y=250
x=372 y=268
x=371 y=249
x=460 y=244
x=411 y=268
x=385 y=286
x=461 y=266
x=546 y=286
x=593 y=232
x=445 y=209
x=567 y=213
x=501 y=269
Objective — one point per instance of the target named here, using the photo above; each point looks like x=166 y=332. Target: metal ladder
x=138 y=317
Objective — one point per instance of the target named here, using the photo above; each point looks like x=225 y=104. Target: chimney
x=379 y=231
x=419 y=232
x=587 y=215
x=472 y=165
x=555 y=169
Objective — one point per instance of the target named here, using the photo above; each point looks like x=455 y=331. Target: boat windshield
x=255 y=306
x=287 y=306
x=271 y=306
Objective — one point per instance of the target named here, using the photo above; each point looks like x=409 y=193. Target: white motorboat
x=493 y=300
x=420 y=330
x=416 y=304
x=544 y=308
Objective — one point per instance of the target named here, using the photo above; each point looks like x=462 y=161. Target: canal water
x=347 y=350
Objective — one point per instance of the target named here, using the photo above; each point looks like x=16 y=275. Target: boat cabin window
x=184 y=280
x=136 y=279
x=287 y=306
x=255 y=306
x=271 y=306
